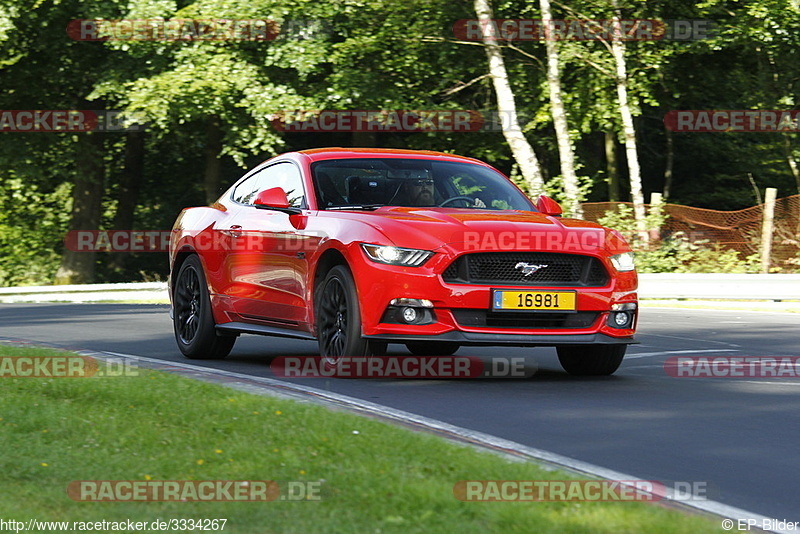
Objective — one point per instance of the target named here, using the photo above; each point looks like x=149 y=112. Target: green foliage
x=32 y=228
x=379 y=54
x=622 y=220
x=555 y=188
x=677 y=254
x=794 y=263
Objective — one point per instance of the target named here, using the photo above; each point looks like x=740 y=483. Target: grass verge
x=374 y=477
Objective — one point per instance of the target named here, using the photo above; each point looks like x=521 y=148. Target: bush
x=32 y=227
x=675 y=253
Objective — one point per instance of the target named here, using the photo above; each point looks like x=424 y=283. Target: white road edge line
x=703 y=308
x=458 y=434
x=668 y=352
x=690 y=339
x=770 y=383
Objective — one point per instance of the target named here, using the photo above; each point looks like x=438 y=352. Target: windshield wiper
x=368 y=207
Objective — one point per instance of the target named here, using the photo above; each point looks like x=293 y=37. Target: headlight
x=623 y=262
x=409 y=257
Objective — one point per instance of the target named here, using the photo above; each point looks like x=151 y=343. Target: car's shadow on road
x=303 y=362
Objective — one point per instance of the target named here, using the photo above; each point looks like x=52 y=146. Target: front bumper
x=518 y=340
x=378 y=284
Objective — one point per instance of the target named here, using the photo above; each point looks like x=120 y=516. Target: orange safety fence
x=737 y=230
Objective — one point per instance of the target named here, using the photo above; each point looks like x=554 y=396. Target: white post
x=656 y=205
x=767 y=227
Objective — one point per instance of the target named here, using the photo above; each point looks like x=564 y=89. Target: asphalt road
x=739 y=436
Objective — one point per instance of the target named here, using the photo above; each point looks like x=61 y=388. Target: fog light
x=620 y=319
x=409 y=315
x=417 y=303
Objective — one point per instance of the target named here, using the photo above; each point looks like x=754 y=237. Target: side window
x=287 y=177
x=284 y=175
x=246 y=191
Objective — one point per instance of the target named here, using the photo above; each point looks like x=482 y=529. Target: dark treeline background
x=208 y=106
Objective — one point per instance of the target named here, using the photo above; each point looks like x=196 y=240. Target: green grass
x=163 y=427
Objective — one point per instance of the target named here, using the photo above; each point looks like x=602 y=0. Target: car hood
x=460 y=229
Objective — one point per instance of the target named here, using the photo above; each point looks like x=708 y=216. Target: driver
x=419 y=191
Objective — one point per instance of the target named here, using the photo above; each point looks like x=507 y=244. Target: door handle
x=234 y=231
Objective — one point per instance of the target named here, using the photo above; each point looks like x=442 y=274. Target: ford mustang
x=358 y=248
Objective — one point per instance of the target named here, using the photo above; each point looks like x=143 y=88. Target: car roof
x=317 y=154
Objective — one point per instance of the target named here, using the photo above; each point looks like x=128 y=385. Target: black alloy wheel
x=193 y=320
x=339 y=319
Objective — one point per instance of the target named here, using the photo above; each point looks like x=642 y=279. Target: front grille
x=555 y=269
x=484 y=318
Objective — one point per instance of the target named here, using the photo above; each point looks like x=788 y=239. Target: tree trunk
x=87 y=198
x=634 y=171
x=612 y=167
x=791 y=160
x=211 y=179
x=129 y=186
x=520 y=148
x=669 y=164
x=565 y=151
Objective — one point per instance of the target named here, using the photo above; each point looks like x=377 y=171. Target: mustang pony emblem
x=528 y=268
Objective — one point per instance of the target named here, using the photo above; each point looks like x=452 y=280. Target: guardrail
x=700 y=286
x=775 y=287
x=137 y=291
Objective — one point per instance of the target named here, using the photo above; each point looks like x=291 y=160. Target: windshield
x=373 y=182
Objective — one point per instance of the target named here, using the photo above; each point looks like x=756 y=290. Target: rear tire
x=193 y=320
x=591 y=360
x=338 y=316
x=432 y=348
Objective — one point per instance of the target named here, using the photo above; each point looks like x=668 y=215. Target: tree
x=629 y=130
x=565 y=152
x=769 y=29
x=48 y=71
x=520 y=147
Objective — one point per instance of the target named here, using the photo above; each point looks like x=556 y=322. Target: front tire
x=193 y=320
x=591 y=360
x=339 y=319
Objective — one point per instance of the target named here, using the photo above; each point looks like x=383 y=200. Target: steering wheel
x=468 y=200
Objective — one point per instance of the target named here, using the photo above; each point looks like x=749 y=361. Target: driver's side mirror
x=548 y=206
x=274 y=199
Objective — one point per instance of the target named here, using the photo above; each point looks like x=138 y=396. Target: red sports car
x=358 y=248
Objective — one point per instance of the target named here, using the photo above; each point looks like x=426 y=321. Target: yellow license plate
x=534 y=300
